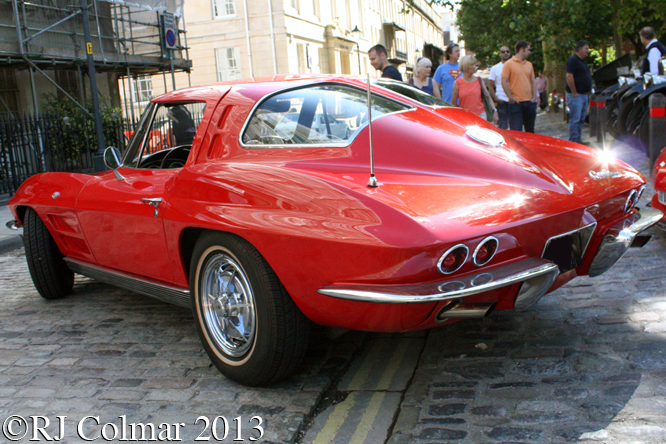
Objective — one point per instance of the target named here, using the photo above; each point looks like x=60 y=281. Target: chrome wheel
x=228 y=305
x=250 y=327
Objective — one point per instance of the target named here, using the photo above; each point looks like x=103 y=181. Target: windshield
x=411 y=92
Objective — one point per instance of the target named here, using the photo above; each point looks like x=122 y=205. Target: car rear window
x=314 y=115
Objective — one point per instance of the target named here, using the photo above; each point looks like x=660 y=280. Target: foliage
x=485 y=25
x=80 y=128
x=632 y=15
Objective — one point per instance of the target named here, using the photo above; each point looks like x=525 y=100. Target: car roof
x=264 y=85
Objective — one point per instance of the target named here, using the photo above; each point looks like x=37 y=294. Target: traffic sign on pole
x=169 y=31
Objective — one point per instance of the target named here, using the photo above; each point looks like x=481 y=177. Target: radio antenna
x=373 y=180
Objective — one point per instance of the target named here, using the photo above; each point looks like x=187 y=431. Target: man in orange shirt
x=519 y=84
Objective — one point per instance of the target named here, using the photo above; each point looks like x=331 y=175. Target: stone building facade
x=234 y=39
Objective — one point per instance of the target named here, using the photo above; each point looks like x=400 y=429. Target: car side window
x=164 y=138
x=315 y=115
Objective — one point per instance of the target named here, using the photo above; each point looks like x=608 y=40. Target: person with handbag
x=472 y=92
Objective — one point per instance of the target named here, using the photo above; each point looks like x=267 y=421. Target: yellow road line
x=365 y=426
x=393 y=365
x=335 y=421
x=365 y=368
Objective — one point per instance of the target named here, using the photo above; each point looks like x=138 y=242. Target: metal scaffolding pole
x=93 y=78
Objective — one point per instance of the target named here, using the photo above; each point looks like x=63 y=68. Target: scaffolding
x=125 y=38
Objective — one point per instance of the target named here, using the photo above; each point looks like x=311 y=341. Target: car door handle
x=154 y=202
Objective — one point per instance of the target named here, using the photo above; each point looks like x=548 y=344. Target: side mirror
x=112 y=161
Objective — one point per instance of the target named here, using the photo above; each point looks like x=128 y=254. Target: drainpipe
x=247 y=35
x=270 y=13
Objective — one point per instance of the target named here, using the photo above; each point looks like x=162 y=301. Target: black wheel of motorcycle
x=49 y=272
x=634 y=118
x=251 y=329
x=623 y=114
x=644 y=128
x=612 y=110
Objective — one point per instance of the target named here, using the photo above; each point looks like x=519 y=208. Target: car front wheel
x=49 y=272
x=251 y=329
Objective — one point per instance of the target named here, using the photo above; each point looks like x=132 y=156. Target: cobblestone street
x=586 y=364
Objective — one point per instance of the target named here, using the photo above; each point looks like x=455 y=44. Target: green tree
x=485 y=25
x=554 y=26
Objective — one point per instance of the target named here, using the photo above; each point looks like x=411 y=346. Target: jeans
x=577 y=113
x=544 y=100
x=503 y=113
x=522 y=114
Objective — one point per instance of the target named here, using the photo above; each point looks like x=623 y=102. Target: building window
x=294 y=4
x=315 y=8
x=68 y=81
x=8 y=92
x=228 y=64
x=143 y=89
x=224 y=8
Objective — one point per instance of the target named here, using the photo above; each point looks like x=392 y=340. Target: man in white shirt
x=655 y=51
x=496 y=91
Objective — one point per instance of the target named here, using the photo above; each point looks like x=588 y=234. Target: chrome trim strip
x=593 y=224
x=13 y=225
x=532 y=290
x=163 y=292
x=619 y=238
x=455 y=247
x=313 y=145
x=483 y=242
x=640 y=193
x=502 y=276
x=629 y=204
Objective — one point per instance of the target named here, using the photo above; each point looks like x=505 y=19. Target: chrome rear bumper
x=619 y=238
x=538 y=276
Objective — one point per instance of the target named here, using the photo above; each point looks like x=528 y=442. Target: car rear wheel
x=251 y=329
x=49 y=272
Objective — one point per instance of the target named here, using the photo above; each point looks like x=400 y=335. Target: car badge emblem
x=485 y=136
x=604 y=174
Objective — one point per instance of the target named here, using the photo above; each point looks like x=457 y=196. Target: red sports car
x=659 y=178
x=415 y=214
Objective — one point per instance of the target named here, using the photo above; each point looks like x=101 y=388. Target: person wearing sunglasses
x=496 y=91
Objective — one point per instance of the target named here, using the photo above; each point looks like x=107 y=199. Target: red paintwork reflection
x=659 y=175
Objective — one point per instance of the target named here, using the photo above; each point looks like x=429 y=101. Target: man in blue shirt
x=379 y=60
x=447 y=73
x=579 y=85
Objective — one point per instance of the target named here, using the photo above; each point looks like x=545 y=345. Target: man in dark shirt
x=379 y=60
x=579 y=85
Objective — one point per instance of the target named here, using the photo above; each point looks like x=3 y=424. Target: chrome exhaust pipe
x=457 y=309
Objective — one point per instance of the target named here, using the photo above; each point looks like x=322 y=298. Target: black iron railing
x=34 y=144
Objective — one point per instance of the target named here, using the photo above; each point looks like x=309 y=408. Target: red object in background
x=262 y=225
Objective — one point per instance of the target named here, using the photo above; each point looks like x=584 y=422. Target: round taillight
x=453 y=259
x=631 y=201
x=449 y=261
x=485 y=251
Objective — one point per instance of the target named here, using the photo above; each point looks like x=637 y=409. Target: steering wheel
x=179 y=149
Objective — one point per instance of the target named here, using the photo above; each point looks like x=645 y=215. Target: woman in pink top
x=468 y=88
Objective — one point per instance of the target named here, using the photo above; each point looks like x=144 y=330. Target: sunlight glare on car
x=606 y=157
